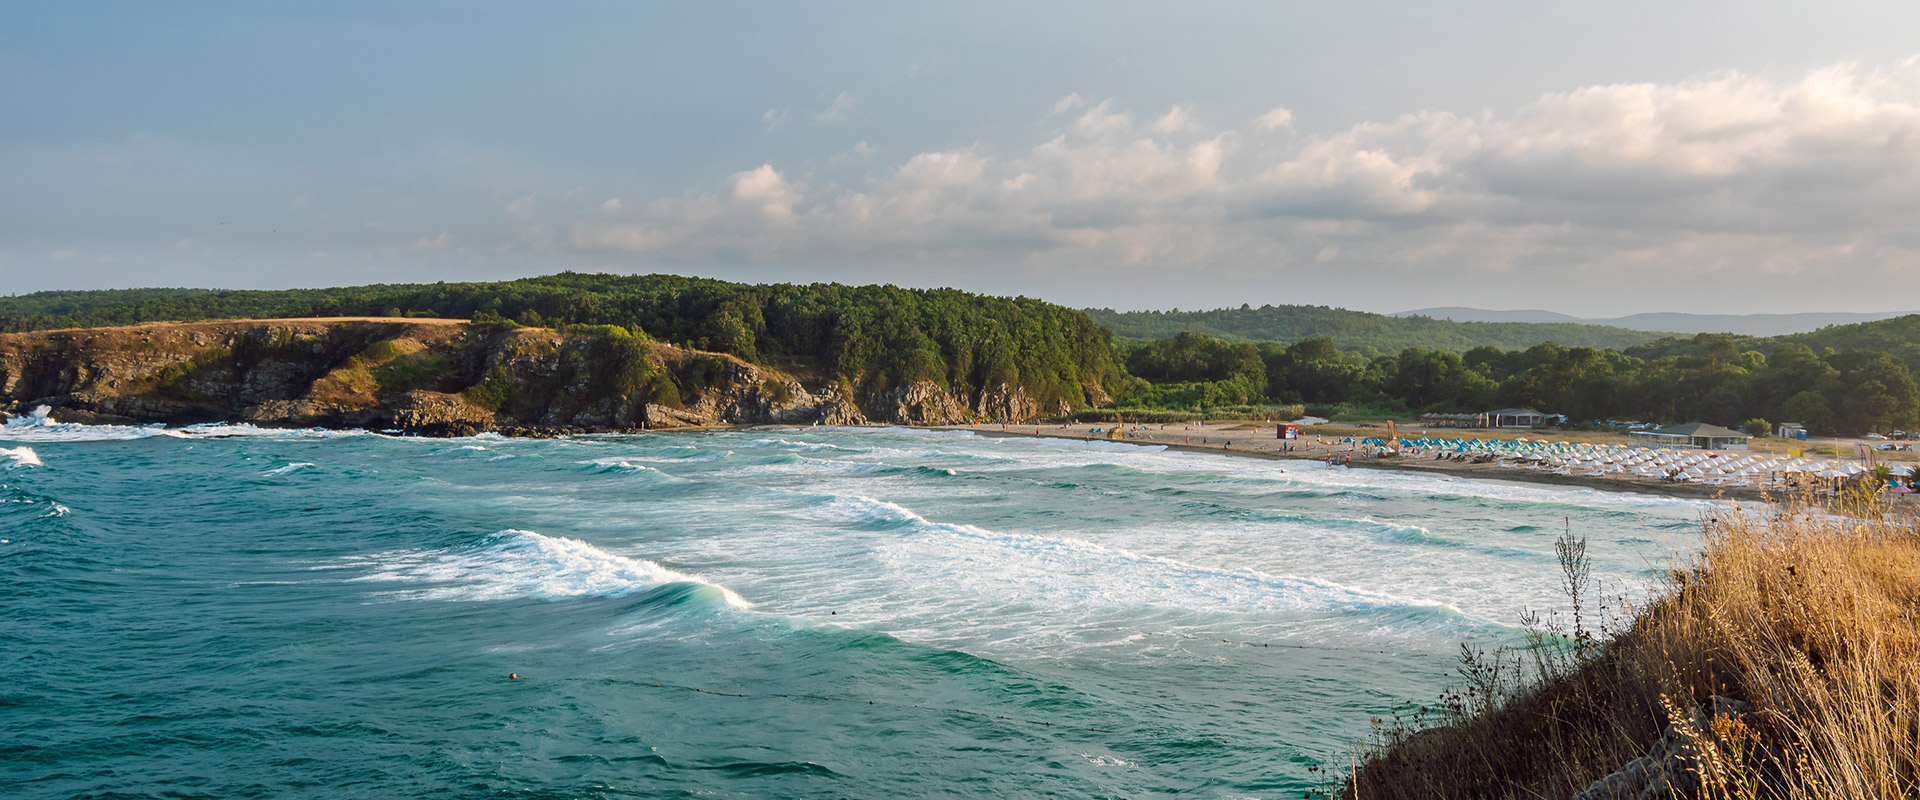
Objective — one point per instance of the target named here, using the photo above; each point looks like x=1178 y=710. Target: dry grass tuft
x=1811 y=618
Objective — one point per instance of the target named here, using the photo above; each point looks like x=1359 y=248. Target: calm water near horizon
x=820 y=613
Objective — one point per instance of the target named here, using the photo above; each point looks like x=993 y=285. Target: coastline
x=1241 y=440
x=1246 y=447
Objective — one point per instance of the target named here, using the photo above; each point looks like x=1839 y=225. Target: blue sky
x=1587 y=158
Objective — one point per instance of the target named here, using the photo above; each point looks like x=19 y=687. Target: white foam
x=40 y=427
x=293 y=467
x=522 y=564
x=863 y=510
x=18 y=457
x=1070 y=571
x=626 y=466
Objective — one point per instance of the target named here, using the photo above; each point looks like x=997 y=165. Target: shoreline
x=1316 y=452
x=1249 y=442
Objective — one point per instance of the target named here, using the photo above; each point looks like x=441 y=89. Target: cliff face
x=436 y=377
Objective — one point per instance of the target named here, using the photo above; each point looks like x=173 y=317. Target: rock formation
x=438 y=377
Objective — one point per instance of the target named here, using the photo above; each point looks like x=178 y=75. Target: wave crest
x=515 y=564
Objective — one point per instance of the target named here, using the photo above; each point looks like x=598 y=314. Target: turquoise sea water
x=823 y=613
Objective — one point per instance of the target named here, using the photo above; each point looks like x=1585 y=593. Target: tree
x=1810 y=408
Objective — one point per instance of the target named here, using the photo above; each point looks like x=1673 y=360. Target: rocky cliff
x=441 y=377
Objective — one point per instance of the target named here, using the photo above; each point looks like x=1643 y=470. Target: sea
x=226 y=611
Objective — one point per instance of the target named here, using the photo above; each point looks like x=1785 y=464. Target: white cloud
x=612 y=205
x=860 y=151
x=838 y=111
x=1180 y=118
x=1597 y=187
x=1102 y=120
x=774 y=118
x=765 y=190
x=1274 y=120
x=521 y=208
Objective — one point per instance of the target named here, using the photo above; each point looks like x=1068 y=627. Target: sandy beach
x=1324 y=442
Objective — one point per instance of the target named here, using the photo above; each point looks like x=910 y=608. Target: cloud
x=774 y=118
x=767 y=191
x=860 y=151
x=612 y=205
x=1180 y=118
x=1598 y=188
x=1274 y=120
x=521 y=208
x=838 y=111
x=1102 y=120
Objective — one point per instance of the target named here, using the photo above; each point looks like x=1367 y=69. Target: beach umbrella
x=1901 y=470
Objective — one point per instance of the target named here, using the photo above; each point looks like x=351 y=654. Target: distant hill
x=1743 y=324
x=1899 y=336
x=1355 y=330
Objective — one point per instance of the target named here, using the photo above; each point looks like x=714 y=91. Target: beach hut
x=1791 y=430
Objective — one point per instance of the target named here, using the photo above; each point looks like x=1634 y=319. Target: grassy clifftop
x=880 y=338
x=1784 y=662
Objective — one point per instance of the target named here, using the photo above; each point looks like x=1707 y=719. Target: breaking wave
x=18 y=457
x=39 y=426
x=1071 y=571
x=516 y=564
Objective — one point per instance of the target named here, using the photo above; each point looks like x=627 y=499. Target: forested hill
x=1899 y=336
x=878 y=337
x=1357 y=330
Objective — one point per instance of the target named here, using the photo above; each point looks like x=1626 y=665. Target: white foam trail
x=39 y=427
x=20 y=457
x=626 y=466
x=293 y=467
x=522 y=564
x=860 y=509
x=1070 y=571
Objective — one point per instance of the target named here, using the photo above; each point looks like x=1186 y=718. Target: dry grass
x=1812 y=618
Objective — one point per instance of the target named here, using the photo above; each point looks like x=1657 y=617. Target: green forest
x=1847 y=379
x=1713 y=378
x=877 y=337
x=1360 y=330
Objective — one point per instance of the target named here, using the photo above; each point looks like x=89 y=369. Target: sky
x=1595 y=159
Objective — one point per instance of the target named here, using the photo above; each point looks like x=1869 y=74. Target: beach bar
x=1515 y=418
x=1692 y=435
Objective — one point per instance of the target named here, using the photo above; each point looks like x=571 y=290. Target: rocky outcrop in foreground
x=439 y=377
x=1672 y=768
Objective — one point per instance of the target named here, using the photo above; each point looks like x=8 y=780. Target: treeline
x=1360 y=330
x=1835 y=392
x=875 y=337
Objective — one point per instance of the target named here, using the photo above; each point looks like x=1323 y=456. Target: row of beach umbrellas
x=1568 y=458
